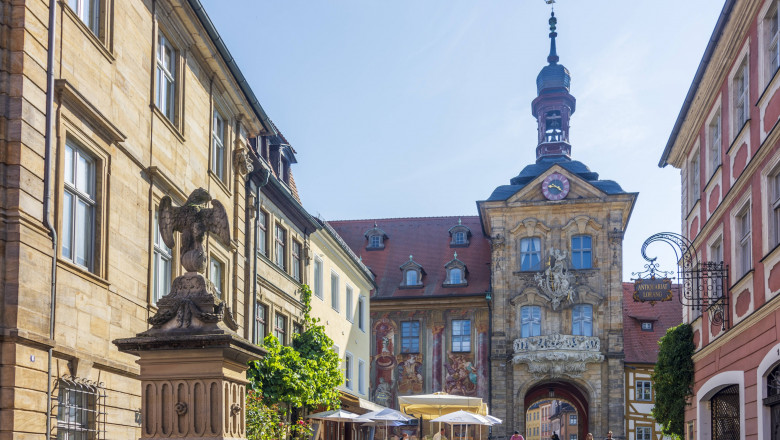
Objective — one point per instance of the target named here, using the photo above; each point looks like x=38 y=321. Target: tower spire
x=553 y=104
x=553 y=57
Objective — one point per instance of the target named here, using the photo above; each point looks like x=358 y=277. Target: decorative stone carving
x=193 y=220
x=193 y=300
x=557 y=355
x=556 y=282
x=181 y=408
x=497 y=242
x=241 y=161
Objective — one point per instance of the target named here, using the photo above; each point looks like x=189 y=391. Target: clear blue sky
x=413 y=108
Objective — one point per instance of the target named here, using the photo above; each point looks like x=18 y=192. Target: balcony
x=557 y=355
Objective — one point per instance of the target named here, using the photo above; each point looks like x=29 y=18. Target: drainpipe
x=489 y=301
x=48 y=159
x=254 y=241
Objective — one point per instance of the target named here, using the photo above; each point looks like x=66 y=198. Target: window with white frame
x=694 y=178
x=80 y=410
x=461 y=335
x=348 y=298
x=772 y=41
x=163 y=258
x=361 y=312
x=740 y=97
x=295 y=260
x=361 y=376
x=459 y=237
x=89 y=12
x=375 y=241
x=412 y=277
x=262 y=232
x=644 y=390
x=644 y=433
x=280 y=327
x=455 y=276
x=261 y=317
x=743 y=245
x=714 y=142
x=572 y=419
x=582 y=252
x=334 y=291
x=217 y=275
x=166 y=77
x=281 y=244
x=318 y=278
x=530 y=321
x=78 y=207
x=774 y=206
x=572 y=436
x=530 y=253
x=716 y=250
x=348 y=374
x=647 y=326
x=218 y=131
x=582 y=320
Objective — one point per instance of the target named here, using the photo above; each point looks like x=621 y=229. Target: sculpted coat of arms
x=556 y=282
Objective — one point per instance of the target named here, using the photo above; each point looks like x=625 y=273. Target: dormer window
x=459 y=235
x=412 y=274
x=456 y=273
x=376 y=239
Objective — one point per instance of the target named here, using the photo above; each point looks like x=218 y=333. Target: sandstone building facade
x=107 y=107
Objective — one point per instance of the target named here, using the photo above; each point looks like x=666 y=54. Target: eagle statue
x=194 y=219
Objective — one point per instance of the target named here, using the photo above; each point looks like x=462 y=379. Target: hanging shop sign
x=652 y=290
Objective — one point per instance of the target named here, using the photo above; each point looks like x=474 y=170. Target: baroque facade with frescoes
x=519 y=305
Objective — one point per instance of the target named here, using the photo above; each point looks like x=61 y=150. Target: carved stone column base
x=192 y=386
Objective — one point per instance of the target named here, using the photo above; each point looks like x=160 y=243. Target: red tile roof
x=427 y=239
x=641 y=347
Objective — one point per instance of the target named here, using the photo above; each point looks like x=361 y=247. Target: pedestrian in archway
x=517 y=436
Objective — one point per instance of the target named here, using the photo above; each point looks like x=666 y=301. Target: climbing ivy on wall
x=304 y=375
x=673 y=379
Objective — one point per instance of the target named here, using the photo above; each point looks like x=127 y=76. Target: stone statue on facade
x=193 y=300
x=556 y=282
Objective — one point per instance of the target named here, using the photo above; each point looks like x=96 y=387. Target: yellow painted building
x=341 y=285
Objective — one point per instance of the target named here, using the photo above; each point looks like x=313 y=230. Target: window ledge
x=416 y=286
x=694 y=208
x=459 y=245
x=94 y=39
x=454 y=285
x=745 y=127
x=714 y=178
x=768 y=87
x=168 y=123
x=375 y=248
x=771 y=253
x=744 y=277
x=221 y=183
x=82 y=272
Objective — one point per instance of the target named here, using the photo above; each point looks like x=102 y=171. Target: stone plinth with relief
x=193 y=364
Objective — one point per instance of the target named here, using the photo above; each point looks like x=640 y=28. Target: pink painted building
x=727 y=145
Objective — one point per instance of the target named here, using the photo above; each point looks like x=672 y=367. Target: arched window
x=773 y=400
x=411 y=277
x=457 y=273
x=455 y=276
x=725 y=413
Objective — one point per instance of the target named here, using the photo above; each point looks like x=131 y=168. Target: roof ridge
x=404 y=218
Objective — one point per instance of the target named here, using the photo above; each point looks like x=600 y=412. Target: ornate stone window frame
x=375 y=239
x=460 y=235
x=411 y=265
x=584 y=225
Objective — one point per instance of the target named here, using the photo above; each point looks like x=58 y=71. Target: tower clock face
x=555 y=186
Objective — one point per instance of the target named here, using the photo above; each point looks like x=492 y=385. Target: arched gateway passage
x=566 y=391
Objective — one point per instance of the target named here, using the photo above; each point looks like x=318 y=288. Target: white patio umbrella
x=386 y=415
x=494 y=420
x=429 y=406
x=463 y=418
x=338 y=416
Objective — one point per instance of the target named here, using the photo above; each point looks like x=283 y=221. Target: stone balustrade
x=557 y=355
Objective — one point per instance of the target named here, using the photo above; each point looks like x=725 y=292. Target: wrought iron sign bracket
x=703 y=285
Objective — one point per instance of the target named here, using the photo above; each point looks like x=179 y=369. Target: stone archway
x=566 y=391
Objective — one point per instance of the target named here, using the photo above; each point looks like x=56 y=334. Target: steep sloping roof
x=641 y=347
x=427 y=239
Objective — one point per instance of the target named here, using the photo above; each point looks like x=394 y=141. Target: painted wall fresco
x=435 y=367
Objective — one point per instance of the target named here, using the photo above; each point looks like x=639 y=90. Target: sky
x=417 y=108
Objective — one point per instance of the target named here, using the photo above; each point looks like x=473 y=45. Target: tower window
x=552 y=127
x=581 y=252
x=582 y=320
x=530 y=321
x=530 y=253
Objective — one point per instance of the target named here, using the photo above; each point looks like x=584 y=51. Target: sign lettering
x=653 y=290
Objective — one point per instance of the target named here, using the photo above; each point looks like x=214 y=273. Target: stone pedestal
x=193 y=366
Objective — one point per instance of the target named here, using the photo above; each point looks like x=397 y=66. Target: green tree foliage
x=304 y=375
x=673 y=379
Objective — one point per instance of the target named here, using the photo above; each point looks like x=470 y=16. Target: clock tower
x=556 y=234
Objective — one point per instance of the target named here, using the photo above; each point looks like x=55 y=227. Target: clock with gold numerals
x=555 y=186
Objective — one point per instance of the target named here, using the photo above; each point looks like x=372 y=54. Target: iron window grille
x=725 y=414
x=79 y=406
